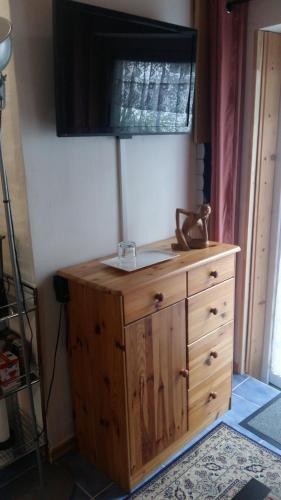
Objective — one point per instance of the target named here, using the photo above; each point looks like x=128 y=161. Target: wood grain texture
x=246 y=214
x=97 y=363
x=202 y=408
x=210 y=274
x=157 y=393
x=104 y=278
x=173 y=448
x=129 y=382
x=210 y=354
x=265 y=170
x=201 y=319
x=143 y=301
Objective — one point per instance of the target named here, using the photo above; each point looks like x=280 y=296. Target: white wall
x=72 y=183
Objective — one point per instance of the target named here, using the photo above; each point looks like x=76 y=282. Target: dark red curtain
x=228 y=51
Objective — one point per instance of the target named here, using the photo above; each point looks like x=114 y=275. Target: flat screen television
x=121 y=75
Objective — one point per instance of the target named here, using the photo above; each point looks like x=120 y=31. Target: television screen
x=118 y=74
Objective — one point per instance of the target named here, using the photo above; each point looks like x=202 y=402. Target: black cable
x=54 y=368
x=54 y=362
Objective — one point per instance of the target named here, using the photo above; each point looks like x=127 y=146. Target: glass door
x=275 y=361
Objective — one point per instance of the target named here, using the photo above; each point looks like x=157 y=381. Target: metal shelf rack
x=22 y=436
x=23 y=440
x=18 y=307
x=10 y=310
x=19 y=384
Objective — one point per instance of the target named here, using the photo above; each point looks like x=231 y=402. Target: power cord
x=55 y=359
x=54 y=367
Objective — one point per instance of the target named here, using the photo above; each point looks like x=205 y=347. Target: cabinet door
x=157 y=387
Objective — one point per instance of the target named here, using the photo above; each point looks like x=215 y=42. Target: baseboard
x=58 y=451
x=236 y=367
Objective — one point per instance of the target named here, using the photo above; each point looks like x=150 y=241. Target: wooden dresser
x=150 y=356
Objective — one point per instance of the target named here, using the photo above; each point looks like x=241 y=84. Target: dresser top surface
x=108 y=279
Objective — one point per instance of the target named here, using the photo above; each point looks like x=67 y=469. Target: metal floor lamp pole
x=19 y=296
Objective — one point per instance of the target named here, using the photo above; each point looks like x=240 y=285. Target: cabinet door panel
x=157 y=392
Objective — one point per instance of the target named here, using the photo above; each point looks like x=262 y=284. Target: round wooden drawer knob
x=159 y=297
x=214 y=354
x=214 y=311
x=214 y=274
x=184 y=373
x=213 y=395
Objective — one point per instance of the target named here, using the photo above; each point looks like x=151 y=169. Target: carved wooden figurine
x=194 y=231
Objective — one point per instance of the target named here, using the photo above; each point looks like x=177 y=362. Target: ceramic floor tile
x=114 y=492
x=256 y=391
x=22 y=487
x=84 y=474
x=17 y=469
x=240 y=409
x=4 y=495
x=238 y=379
x=78 y=494
x=58 y=485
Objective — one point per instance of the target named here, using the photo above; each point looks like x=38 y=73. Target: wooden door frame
x=257 y=206
x=274 y=268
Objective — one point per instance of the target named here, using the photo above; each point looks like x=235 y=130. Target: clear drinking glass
x=126 y=250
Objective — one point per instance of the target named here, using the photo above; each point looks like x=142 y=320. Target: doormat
x=266 y=422
x=217 y=467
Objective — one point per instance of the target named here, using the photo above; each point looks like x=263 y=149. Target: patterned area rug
x=217 y=467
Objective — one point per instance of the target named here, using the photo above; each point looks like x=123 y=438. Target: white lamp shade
x=5 y=42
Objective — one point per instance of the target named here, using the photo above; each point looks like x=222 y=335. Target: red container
x=9 y=371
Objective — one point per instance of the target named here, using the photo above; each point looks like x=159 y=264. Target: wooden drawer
x=210 y=399
x=210 y=354
x=154 y=297
x=210 y=274
x=209 y=310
